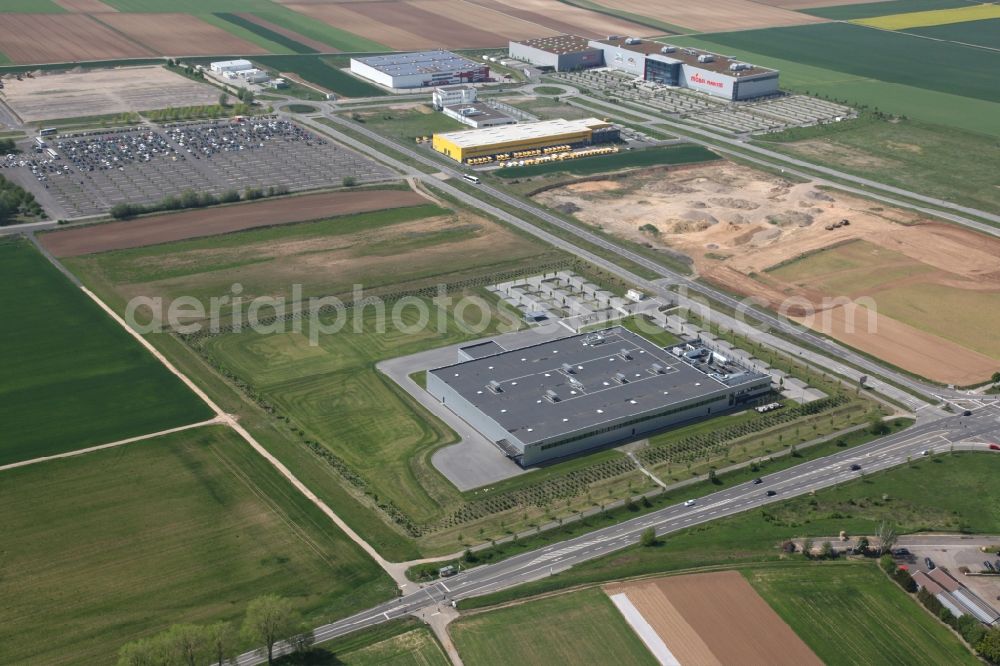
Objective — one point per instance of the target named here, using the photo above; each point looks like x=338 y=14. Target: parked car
x=988 y=565
x=758 y=481
x=771 y=493
x=994 y=447
x=901 y=552
x=967 y=412
x=855 y=467
x=929 y=563
x=689 y=503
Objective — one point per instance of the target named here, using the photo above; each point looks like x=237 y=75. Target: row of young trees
x=192 y=199
x=268 y=620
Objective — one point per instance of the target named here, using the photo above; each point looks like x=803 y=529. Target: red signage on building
x=698 y=78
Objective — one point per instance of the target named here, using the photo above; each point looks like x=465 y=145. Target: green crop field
x=852 y=614
x=930 y=159
x=868 y=10
x=71 y=376
x=682 y=154
x=315 y=69
x=30 y=7
x=266 y=33
x=119 y=544
x=578 y=628
x=253 y=36
x=835 y=82
x=878 y=54
x=981 y=33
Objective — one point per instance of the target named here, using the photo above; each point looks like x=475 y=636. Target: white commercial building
x=253 y=75
x=419 y=70
x=453 y=95
x=222 y=66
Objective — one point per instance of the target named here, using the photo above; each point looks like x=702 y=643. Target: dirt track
x=716 y=618
x=209 y=222
x=739 y=226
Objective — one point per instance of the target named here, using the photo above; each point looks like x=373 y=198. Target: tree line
x=268 y=620
x=15 y=201
x=192 y=199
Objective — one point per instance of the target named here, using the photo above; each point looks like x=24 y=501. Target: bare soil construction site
x=930 y=291
x=95 y=92
x=711 y=618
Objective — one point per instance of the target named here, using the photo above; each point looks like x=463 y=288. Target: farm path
x=110 y=445
x=396 y=572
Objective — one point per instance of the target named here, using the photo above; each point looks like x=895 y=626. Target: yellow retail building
x=468 y=145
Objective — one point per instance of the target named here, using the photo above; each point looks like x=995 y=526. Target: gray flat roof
x=590 y=391
x=689 y=56
x=481 y=349
x=558 y=44
x=423 y=62
x=477 y=110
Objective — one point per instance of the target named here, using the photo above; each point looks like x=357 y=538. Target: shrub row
x=192 y=199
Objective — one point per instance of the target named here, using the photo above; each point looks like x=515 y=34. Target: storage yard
x=94 y=171
x=937 y=296
x=94 y=92
x=710 y=618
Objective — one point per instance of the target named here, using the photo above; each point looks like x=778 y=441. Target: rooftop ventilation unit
x=551 y=395
x=621 y=378
x=657 y=369
x=625 y=354
x=706 y=57
x=568 y=369
x=575 y=382
x=668 y=49
x=494 y=386
x=593 y=339
x=632 y=40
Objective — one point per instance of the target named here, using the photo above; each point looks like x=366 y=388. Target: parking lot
x=93 y=171
x=757 y=116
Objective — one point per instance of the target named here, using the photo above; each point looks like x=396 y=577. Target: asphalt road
x=799 y=480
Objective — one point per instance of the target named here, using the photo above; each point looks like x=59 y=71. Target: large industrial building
x=508 y=139
x=654 y=61
x=562 y=53
x=566 y=396
x=419 y=70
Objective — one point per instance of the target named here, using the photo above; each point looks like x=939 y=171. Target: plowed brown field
x=178 y=34
x=562 y=18
x=716 y=618
x=422 y=24
x=41 y=38
x=214 y=221
x=722 y=15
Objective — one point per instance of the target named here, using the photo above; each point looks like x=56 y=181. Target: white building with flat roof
x=424 y=69
x=222 y=66
x=453 y=95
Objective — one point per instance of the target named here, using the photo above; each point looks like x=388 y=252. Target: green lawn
x=316 y=70
x=119 y=544
x=407 y=124
x=804 y=71
x=871 y=9
x=71 y=376
x=925 y=158
x=982 y=33
x=852 y=614
x=579 y=628
x=681 y=154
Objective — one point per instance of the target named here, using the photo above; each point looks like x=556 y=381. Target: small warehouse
x=562 y=53
x=508 y=139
